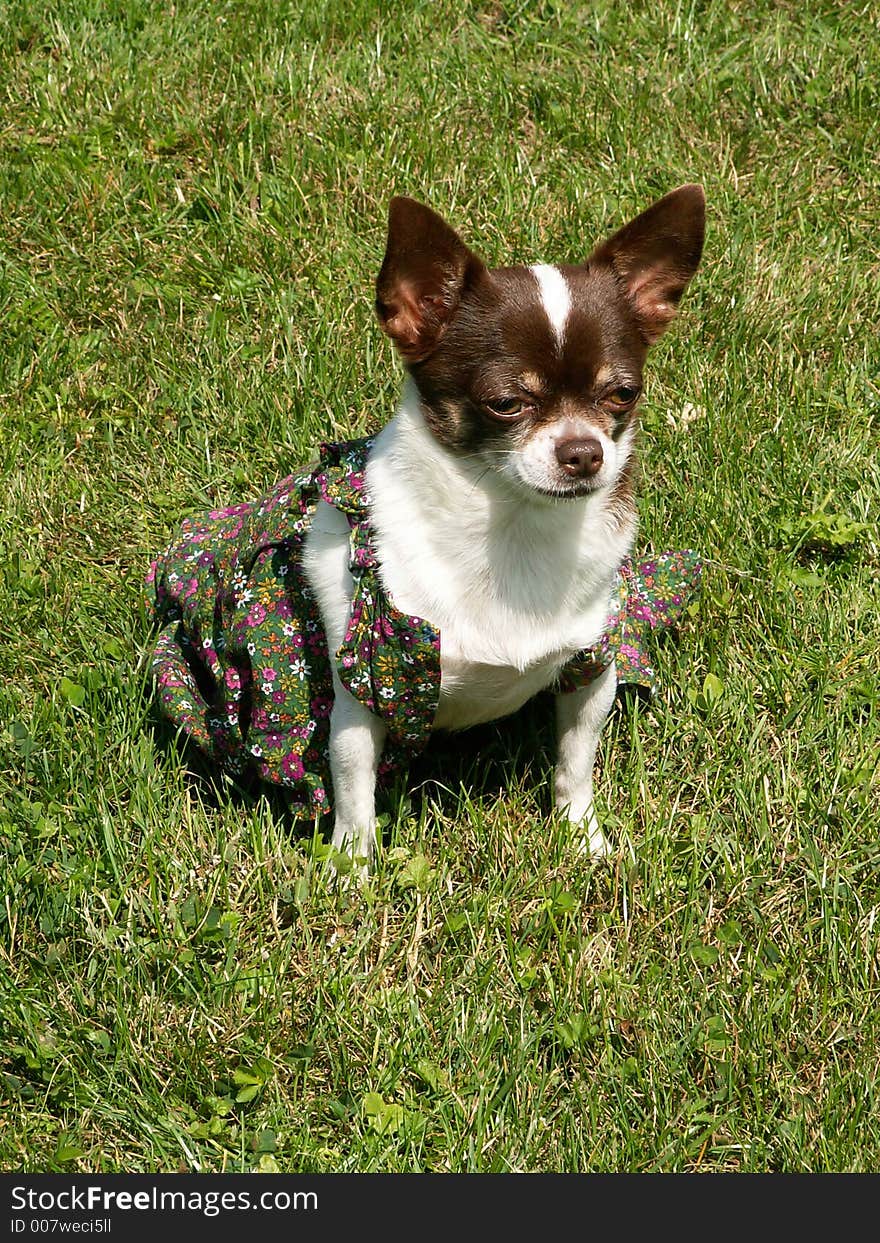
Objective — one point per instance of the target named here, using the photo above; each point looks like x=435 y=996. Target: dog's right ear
x=426 y=269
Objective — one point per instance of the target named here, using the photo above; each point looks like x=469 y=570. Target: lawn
x=193 y=209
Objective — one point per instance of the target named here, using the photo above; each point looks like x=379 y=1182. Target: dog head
x=536 y=371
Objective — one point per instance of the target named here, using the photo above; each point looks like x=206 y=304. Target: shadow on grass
x=479 y=763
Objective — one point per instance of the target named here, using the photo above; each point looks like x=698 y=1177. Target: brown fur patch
x=500 y=345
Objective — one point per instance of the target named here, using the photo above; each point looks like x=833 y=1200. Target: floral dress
x=241 y=663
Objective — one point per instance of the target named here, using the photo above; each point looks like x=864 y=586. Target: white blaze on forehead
x=555 y=296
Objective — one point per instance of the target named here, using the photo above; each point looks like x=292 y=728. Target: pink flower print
x=278 y=697
x=229 y=512
x=256 y=615
x=234 y=531
x=270 y=674
x=292 y=766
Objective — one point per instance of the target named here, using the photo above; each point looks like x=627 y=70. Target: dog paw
x=589 y=838
x=353 y=854
x=595 y=844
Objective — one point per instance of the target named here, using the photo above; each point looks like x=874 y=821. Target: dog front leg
x=580 y=716
x=356 y=741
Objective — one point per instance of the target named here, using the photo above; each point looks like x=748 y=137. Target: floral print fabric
x=241 y=662
x=647 y=595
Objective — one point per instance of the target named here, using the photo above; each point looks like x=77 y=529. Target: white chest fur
x=514 y=586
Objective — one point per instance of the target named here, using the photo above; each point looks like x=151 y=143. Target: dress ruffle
x=647 y=596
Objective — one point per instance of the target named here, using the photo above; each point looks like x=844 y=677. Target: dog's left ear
x=655 y=256
x=426 y=269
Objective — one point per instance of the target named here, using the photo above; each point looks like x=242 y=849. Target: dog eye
x=505 y=407
x=623 y=396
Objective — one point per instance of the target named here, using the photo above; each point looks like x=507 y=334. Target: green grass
x=193 y=202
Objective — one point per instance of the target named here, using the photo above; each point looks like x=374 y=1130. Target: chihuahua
x=501 y=493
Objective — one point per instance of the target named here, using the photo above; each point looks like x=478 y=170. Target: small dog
x=501 y=493
x=470 y=555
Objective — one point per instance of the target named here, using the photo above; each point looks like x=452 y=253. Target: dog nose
x=580 y=458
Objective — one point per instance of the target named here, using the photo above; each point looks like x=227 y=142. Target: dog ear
x=655 y=255
x=426 y=269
